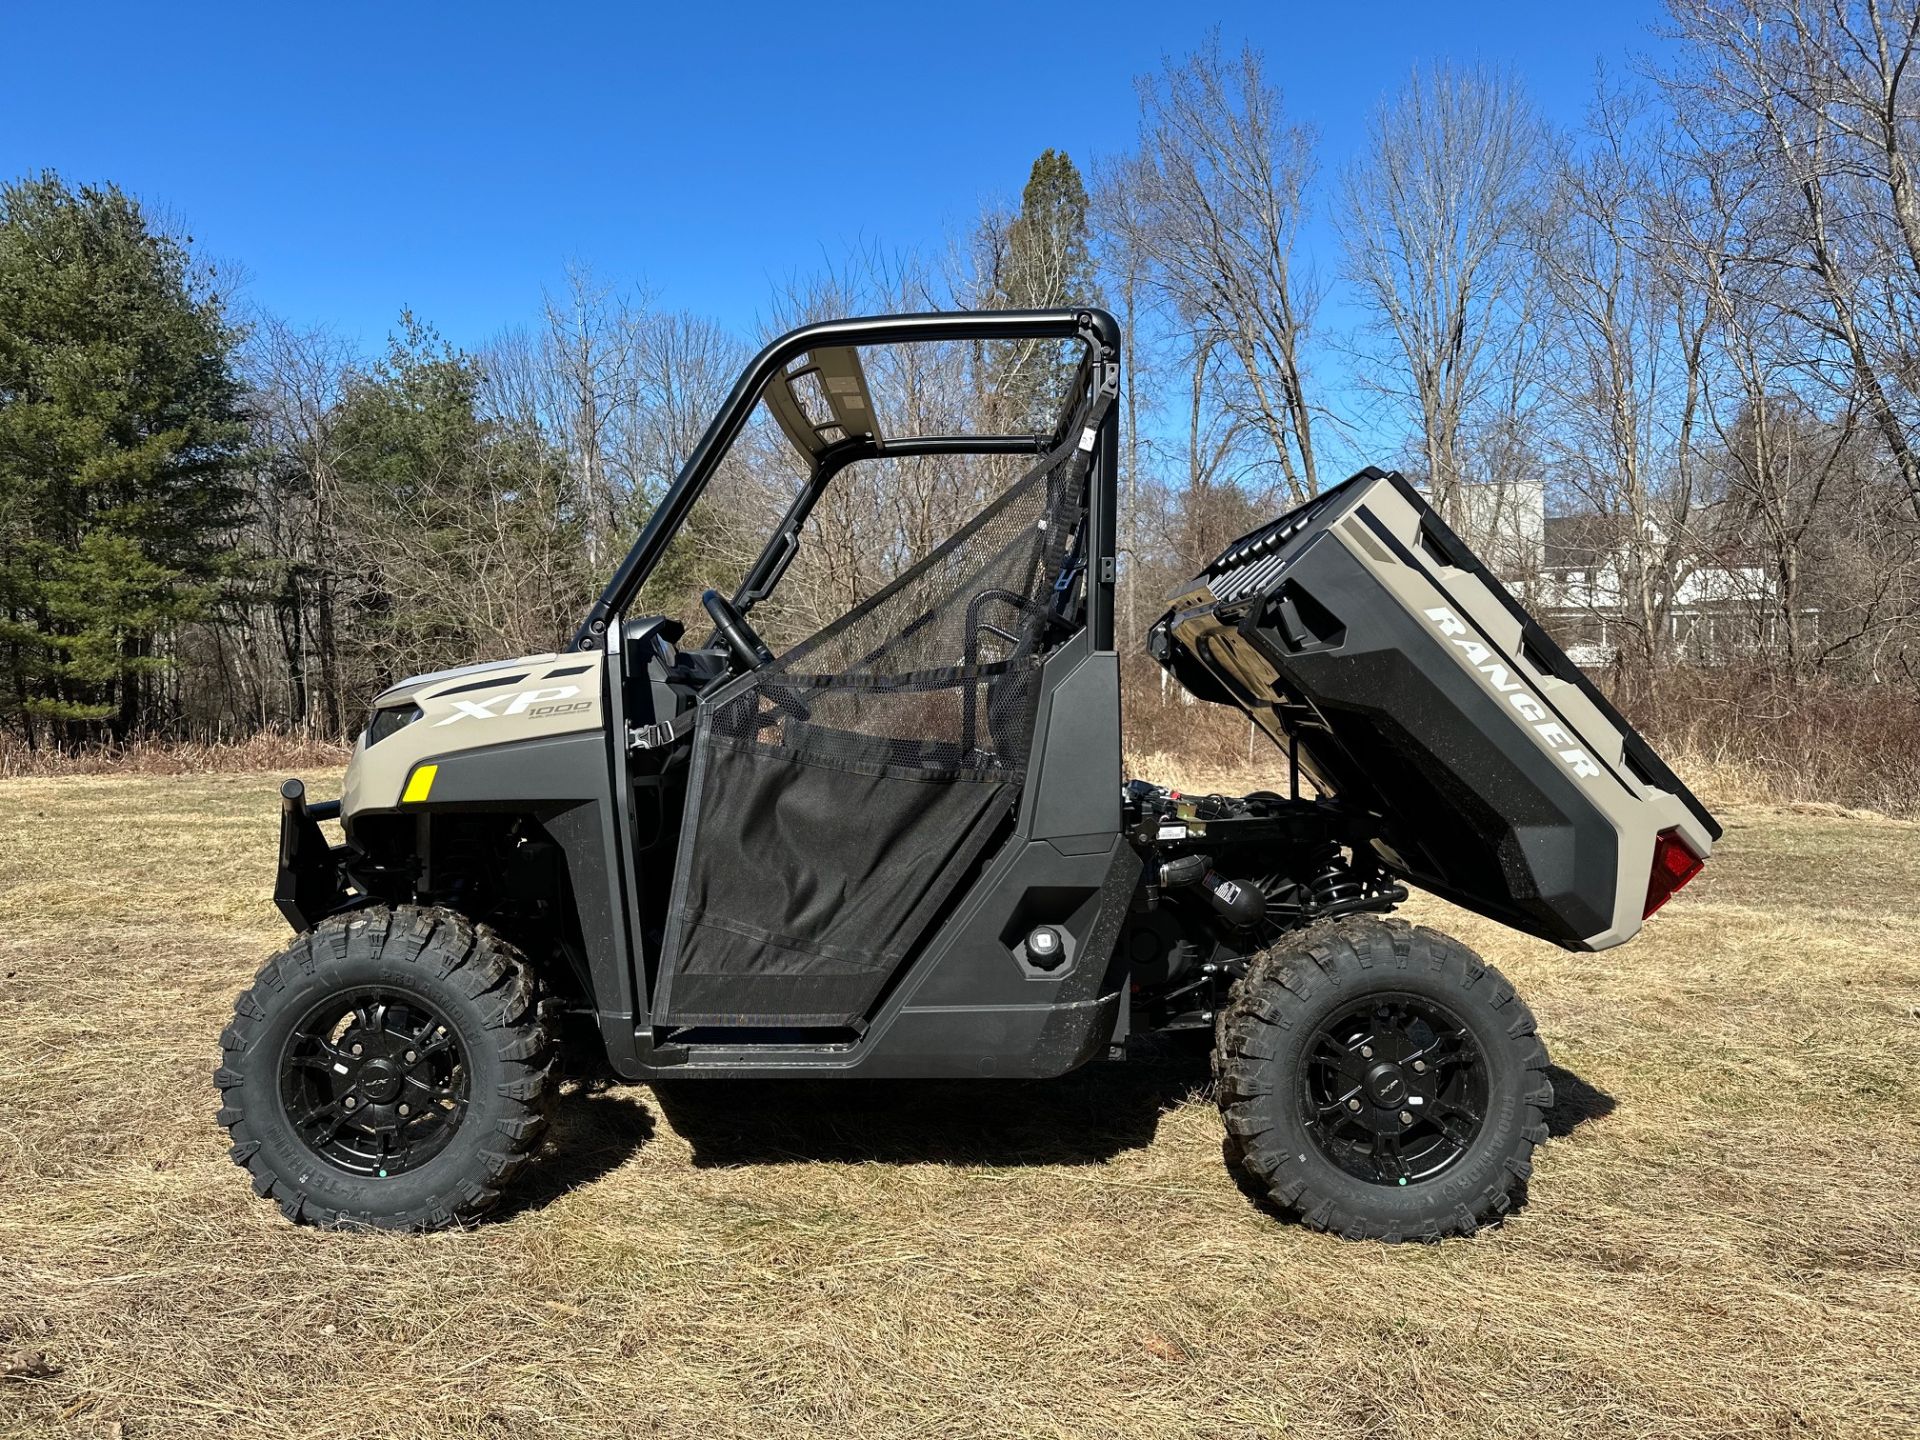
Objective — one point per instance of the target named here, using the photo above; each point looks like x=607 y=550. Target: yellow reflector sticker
x=418 y=784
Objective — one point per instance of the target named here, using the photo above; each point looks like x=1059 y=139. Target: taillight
x=1673 y=866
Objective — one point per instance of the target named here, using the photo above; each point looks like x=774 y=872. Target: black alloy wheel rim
x=1394 y=1089
x=374 y=1081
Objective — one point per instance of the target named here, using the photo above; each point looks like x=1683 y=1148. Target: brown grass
x=267 y=750
x=1722 y=1238
x=1827 y=741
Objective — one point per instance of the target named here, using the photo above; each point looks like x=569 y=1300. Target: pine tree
x=121 y=438
x=1046 y=262
x=467 y=536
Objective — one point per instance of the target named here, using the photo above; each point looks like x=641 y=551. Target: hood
x=428 y=719
x=416 y=684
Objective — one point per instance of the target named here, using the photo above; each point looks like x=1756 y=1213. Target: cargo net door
x=842 y=793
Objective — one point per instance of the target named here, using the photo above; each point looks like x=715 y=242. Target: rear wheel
x=1379 y=1080
x=389 y=1069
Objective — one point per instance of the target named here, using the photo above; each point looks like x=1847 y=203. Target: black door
x=842 y=794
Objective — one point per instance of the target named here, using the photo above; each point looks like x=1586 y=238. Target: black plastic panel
x=1470 y=810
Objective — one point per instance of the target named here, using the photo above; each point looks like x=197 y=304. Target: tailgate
x=1359 y=629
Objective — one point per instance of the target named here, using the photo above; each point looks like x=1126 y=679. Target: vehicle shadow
x=595 y=1131
x=1083 y=1118
x=1575 y=1102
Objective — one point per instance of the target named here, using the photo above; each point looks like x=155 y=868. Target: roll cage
x=827 y=354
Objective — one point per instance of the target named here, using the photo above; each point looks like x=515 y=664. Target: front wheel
x=389 y=1069
x=1379 y=1080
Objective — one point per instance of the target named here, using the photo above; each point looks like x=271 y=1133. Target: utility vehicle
x=903 y=847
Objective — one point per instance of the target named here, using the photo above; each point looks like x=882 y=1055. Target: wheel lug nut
x=352 y=1103
x=411 y=1057
x=1366 y=1052
x=1419 y=1066
x=406 y=1110
x=358 y=1048
x=1406 y=1117
x=1353 y=1104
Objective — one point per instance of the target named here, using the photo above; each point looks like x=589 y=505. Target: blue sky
x=356 y=159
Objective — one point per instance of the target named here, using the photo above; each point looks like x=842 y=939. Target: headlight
x=385 y=722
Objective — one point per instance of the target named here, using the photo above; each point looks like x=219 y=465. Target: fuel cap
x=1045 y=948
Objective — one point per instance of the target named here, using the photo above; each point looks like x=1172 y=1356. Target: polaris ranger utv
x=904 y=848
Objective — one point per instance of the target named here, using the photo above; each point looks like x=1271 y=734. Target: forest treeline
x=1662 y=366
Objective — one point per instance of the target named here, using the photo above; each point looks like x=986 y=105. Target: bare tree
x=574 y=379
x=1822 y=94
x=680 y=367
x=1126 y=273
x=296 y=379
x=1434 y=221
x=1218 y=193
x=1625 y=373
x=589 y=347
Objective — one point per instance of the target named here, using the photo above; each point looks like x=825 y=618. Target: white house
x=1573 y=572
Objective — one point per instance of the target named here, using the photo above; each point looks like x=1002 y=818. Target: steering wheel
x=751 y=653
x=749 y=650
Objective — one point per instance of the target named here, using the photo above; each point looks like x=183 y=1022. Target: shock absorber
x=1332 y=881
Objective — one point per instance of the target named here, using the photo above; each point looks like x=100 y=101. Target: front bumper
x=310 y=884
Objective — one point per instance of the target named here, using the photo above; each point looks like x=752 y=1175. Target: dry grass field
x=1723 y=1238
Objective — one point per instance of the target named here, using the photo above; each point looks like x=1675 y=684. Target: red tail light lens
x=1673 y=866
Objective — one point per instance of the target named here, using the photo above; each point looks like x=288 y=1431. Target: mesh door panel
x=854 y=782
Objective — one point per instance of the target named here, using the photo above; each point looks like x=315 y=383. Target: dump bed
x=1361 y=631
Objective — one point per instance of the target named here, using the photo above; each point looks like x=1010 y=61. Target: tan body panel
x=477 y=706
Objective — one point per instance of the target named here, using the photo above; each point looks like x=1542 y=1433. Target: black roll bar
x=1095 y=328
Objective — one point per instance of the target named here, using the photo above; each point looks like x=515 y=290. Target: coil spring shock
x=1333 y=881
